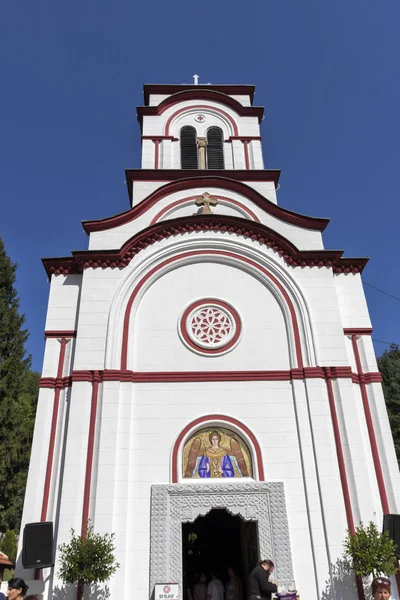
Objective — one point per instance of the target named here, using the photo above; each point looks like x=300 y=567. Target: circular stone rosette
x=210 y=327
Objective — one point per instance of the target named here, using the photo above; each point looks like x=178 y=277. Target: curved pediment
x=288 y=216
x=228 y=225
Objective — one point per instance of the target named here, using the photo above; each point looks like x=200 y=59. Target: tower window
x=215 y=148
x=188 y=148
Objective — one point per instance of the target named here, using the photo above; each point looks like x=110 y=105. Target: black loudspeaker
x=391 y=524
x=37 y=548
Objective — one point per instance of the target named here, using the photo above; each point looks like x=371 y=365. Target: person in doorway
x=260 y=588
x=17 y=589
x=200 y=588
x=215 y=589
x=381 y=588
x=233 y=590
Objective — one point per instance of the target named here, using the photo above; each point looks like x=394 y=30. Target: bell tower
x=208 y=361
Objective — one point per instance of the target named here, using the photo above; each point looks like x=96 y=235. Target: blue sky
x=72 y=75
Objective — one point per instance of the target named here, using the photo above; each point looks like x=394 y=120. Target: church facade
x=209 y=391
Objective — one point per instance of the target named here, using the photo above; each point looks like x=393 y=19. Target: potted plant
x=87 y=559
x=370 y=553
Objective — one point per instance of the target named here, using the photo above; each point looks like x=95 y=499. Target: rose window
x=210 y=326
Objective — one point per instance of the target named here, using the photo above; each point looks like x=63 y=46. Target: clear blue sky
x=71 y=77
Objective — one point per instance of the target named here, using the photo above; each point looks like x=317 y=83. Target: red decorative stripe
x=178 y=376
x=233 y=181
x=156 y=153
x=159 y=138
x=89 y=457
x=55 y=382
x=357 y=330
x=173 y=259
x=209 y=418
x=244 y=138
x=370 y=428
x=339 y=453
x=226 y=224
x=189 y=198
x=53 y=431
x=50 y=333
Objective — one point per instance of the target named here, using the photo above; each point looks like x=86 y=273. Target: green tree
x=87 y=559
x=389 y=366
x=18 y=398
x=9 y=544
x=369 y=552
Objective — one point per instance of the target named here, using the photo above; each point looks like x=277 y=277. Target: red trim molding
x=288 y=216
x=59 y=333
x=199 y=376
x=242 y=259
x=162 y=212
x=85 y=259
x=223 y=419
x=200 y=94
x=244 y=138
x=246 y=153
x=95 y=377
x=339 y=453
x=201 y=107
x=159 y=138
x=53 y=432
x=357 y=330
x=370 y=428
x=169 y=89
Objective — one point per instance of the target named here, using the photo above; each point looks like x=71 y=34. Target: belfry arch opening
x=214 y=543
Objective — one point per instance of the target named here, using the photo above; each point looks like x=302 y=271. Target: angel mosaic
x=215 y=453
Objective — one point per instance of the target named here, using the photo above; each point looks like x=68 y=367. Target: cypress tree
x=389 y=366
x=18 y=398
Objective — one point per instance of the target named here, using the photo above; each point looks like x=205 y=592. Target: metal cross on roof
x=196 y=79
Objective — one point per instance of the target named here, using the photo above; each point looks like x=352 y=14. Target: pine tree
x=18 y=397
x=389 y=366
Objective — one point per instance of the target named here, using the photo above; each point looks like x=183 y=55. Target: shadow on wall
x=342 y=586
x=95 y=592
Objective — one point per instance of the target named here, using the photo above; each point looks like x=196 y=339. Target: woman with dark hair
x=17 y=589
x=381 y=588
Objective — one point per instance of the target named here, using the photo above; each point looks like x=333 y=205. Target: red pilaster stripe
x=53 y=431
x=156 y=153
x=339 y=453
x=370 y=427
x=89 y=457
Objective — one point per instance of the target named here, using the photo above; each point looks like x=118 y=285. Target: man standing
x=260 y=588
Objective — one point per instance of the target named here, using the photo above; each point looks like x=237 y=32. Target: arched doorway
x=213 y=543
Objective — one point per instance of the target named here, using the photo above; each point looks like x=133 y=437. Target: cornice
x=215 y=180
x=200 y=94
x=118 y=259
x=229 y=89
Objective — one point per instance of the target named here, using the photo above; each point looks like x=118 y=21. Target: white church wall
x=157 y=345
x=318 y=287
x=385 y=444
x=63 y=302
x=352 y=303
x=158 y=412
x=98 y=289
